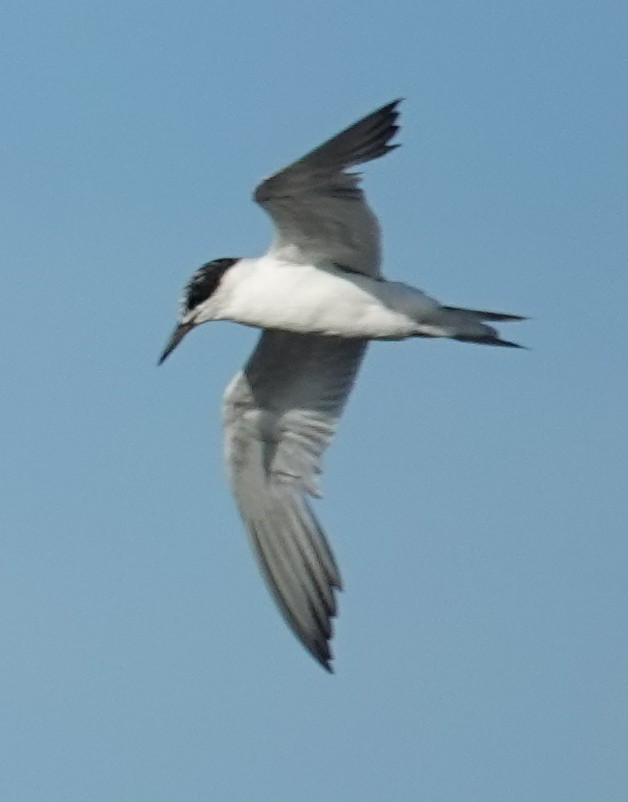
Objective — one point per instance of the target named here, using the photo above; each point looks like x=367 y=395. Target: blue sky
x=475 y=498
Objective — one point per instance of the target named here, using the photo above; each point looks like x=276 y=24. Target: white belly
x=304 y=298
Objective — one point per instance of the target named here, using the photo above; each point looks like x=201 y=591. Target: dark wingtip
x=392 y=106
x=322 y=652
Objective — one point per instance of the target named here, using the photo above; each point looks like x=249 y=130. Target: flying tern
x=318 y=296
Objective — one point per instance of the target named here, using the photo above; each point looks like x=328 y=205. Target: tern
x=319 y=297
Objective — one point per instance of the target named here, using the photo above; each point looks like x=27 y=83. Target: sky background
x=475 y=498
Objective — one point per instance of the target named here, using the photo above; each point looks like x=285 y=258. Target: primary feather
x=279 y=415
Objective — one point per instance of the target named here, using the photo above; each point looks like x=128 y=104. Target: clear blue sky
x=475 y=497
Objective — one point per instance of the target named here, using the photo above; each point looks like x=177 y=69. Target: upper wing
x=319 y=210
x=279 y=414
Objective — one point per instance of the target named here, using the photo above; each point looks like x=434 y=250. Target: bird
x=319 y=297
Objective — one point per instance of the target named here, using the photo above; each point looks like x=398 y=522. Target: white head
x=195 y=305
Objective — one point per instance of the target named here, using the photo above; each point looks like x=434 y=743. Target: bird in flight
x=318 y=296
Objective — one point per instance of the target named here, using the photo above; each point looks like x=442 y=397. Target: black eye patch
x=204 y=282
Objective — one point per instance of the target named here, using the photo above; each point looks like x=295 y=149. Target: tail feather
x=481 y=315
x=488 y=339
x=467 y=325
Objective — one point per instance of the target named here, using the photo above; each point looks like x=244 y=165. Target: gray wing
x=319 y=210
x=279 y=414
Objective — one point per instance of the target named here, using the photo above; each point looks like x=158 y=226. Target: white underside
x=272 y=294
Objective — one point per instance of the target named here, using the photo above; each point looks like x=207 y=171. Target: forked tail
x=469 y=325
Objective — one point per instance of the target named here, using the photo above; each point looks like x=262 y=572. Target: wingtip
x=392 y=109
